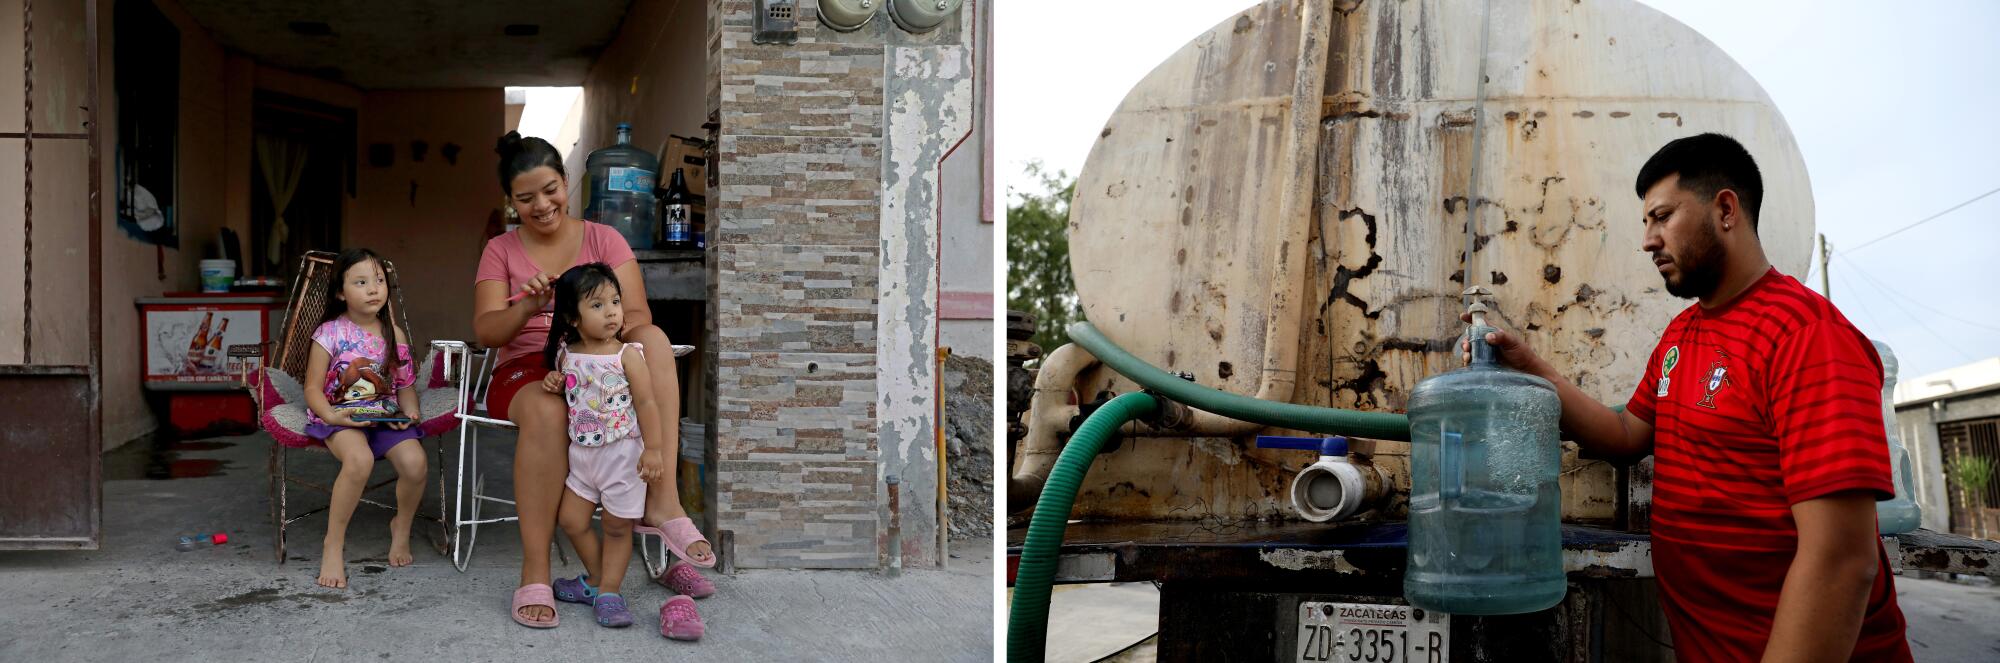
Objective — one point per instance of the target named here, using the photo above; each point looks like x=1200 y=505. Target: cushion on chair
x=284 y=416
x=434 y=368
x=286 y=422
x=280 y=387
x=440 y=410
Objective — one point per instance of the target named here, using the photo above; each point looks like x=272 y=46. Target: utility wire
x=1884 y=286
x=1925 y=219
x=1861 y=302
x=1918 y=320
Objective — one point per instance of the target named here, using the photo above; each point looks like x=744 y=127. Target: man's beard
x=1699 y=266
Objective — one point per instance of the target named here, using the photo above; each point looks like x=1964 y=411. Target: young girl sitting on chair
x=366 y=407
x=615 y=444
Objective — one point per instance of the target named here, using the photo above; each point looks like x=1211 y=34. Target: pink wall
x=132 y=269
x=653 y=76
x=435 y=239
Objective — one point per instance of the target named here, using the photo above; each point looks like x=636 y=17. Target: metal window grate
x=1965 y=439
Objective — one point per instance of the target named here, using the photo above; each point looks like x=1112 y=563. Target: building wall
x=59 y=198
x=652 y=77
x=213 y=188
x=132 y=269
x=429 y=216
x=1918 y=423
x=823 y=236
x=793 y=236
x=966 y=257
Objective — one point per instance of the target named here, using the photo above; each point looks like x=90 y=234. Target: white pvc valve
x=922 y=15
x=1328 y=490
x=846 y=15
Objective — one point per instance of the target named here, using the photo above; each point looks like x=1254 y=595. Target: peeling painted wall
x=1174 y=208
x=929 y=106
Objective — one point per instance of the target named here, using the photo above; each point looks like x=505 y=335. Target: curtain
x=282 y=160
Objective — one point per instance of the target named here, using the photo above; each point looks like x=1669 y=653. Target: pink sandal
x=681 y=577
x=534 y=595
x=680 y=533
x=680 y=621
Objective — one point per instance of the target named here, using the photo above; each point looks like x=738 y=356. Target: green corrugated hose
x=1375 y=425
x=1027 y=628
x=1028 y=615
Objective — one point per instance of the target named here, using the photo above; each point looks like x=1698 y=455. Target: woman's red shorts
x=508 y=378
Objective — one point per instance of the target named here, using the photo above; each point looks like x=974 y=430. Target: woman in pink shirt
x=525 y=263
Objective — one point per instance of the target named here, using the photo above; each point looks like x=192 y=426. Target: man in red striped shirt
x=1761 y=406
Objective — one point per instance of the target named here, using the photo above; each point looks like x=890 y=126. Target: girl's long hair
x=335 y=307
x=571 y=288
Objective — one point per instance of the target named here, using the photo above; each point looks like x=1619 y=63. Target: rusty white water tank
x=1215 y=232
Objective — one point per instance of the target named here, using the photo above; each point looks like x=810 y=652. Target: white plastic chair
x=462 y=500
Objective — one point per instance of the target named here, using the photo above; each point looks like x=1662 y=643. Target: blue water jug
x=1900 y=514
x=622 y=178
x=1485 y=510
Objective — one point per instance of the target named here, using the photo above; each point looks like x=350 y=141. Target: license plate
x=1372 y=633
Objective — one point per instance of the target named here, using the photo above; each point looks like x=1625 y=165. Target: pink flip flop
x=680 y=621
x=533 y=595
x=681 y=577
x=680 y=533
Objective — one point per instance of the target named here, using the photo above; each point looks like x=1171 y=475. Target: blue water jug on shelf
x=1485 y=509
x=622 y=179
x=1900 y=514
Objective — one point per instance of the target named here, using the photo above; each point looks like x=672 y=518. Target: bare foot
x=332 y=567
x=399 y=543
x=699 y=551
x=538 y=613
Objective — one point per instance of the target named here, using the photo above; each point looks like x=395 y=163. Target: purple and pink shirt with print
x=345 y=342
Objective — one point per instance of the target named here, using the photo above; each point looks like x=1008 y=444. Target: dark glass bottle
x=676 y=214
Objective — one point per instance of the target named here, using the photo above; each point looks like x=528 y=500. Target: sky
x=1897 y=114
x=543 y=115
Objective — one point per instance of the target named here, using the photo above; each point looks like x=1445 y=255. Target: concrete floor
x=1950 y=622
x=139 y=599
x=1091 y=622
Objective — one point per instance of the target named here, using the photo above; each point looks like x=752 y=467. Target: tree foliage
x=1039 y=282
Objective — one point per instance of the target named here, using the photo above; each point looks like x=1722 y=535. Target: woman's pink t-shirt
x=506 y=261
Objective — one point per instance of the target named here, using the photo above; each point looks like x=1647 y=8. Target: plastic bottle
x=188 y=540
x=676 y=214
x=1899 y=514
x=622 y=178
x=1485 y=508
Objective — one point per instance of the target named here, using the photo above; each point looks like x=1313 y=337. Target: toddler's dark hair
x=571 y=288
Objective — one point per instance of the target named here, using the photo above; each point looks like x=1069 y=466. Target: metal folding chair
x=463 y=501
x=280 y=400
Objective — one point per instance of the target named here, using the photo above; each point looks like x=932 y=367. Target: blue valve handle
x=1326 y=446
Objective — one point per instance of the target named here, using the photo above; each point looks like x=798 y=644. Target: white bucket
x=216 y=275
x=694 y=442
